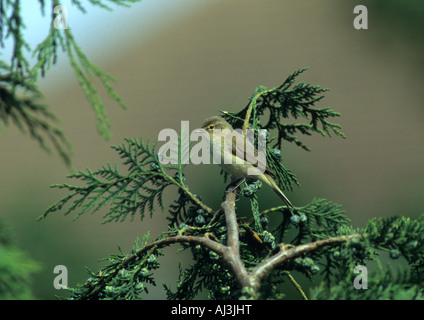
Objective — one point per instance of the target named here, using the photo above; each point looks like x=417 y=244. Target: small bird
x=239 y=167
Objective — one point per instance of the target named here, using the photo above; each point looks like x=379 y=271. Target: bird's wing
x=239 y=145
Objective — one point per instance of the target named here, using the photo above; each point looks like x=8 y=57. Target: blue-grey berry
x=307 y=262
x=276 y=152
x=123 y=273
x=200 y=219
x=248 y=191
x=295 y=219
x=315 y=269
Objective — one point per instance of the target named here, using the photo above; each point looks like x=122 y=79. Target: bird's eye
x=211 y=126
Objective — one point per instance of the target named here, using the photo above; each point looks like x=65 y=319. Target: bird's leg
x=235 y=183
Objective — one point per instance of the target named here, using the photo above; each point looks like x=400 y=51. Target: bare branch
x=232 y=251
x=286 y=254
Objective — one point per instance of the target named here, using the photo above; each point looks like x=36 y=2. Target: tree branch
x=150 y=248
x=251 y=280
x=204 y=241
x=286 y=254
x=232 y=251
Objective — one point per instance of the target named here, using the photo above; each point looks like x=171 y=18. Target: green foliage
x=28 y=113
x=16 y=269
x=134 y=192
x=19 y=93
x=241 y=255
x=382 y=285
x=125 y=277
x=400 y=237
x=317 y=220
x=288 y=100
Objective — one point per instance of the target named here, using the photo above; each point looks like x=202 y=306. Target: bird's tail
x=278 y=191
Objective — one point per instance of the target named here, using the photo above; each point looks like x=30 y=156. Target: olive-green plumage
x=240 y=167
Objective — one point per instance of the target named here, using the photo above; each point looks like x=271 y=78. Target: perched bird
x=231 y=144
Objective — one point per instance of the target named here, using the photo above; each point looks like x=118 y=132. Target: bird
x=224 y=139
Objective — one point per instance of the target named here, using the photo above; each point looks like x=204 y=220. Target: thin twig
x=273 y=209
x=250 y=108
x=296 y=285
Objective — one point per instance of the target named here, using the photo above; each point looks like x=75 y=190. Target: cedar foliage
x=20 y=97
x=237 y=255
x=315 y=240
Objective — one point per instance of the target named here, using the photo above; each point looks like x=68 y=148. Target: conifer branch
x=286 y=253
x=231 y=254
x=250 y=281
x=233 y=258
x=20 y=98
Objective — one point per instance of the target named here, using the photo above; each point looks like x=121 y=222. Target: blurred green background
x=185 y=60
